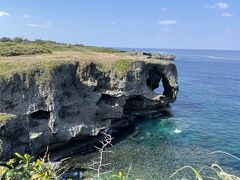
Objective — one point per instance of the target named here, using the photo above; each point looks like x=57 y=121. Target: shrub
x=5 y=39
x=21 y=49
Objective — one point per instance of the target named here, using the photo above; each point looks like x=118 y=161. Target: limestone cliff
x=78 y=100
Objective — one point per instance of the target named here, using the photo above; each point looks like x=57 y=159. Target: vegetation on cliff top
x=23 y=56
x=11 y=49
x=120 y=66
x=19 y=46
x=45 y=55
x=123 y=65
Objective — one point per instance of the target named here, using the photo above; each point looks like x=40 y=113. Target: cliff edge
x=50 y=100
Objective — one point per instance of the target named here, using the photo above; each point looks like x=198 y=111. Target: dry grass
x=20 y=64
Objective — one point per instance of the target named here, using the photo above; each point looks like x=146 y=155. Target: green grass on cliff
x=11 y=47
x=120 y=66
x=42 y=70
x=123 y=65
x=24 y=57
x=4 y=117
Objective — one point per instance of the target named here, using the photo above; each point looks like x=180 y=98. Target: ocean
x=204 y=119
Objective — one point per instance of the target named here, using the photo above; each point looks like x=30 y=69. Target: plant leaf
x=19 y=156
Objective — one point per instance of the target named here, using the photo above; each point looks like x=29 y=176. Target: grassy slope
x=107 y=58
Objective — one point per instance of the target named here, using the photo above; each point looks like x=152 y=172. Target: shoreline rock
x=168 y=57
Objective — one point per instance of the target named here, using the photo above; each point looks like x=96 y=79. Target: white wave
x=215 y=57
x=177 y=131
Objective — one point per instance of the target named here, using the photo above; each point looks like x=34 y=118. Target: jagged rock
x=169 y=57
x=78 y=102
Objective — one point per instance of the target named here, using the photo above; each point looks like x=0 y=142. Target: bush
x=6 y=39
x=21 y=49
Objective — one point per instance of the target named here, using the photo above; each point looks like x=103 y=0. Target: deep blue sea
x=205 y=118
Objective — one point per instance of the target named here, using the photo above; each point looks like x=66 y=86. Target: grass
x=26 y=57
x=213 y=171
x=4 y=117
x=41 y=47
x=120 y=66
x=101 y=49
x=123 y=65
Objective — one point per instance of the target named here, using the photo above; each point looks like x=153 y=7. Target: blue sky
x=185 y=24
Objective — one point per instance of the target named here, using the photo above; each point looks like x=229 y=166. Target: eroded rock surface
x=78 y=102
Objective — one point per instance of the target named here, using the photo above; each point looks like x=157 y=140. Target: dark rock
x=79 y=102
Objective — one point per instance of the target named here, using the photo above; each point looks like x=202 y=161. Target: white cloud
x=3 y=13
x=227 y=15
x=26 y=16
x=164 y=9
x=33 y=25
x=45 y=25
x=219 y=5
x=167 y=22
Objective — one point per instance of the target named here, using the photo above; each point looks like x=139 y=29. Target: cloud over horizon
x=167 y=22
x=45 y=25
x=219 y=5
x=3 y=13
x=227 y=15
x=164 y=9
x=33 y=25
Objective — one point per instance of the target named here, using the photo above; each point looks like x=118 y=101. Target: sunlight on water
x=205 y=118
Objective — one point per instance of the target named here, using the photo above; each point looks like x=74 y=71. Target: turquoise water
x=205 y=118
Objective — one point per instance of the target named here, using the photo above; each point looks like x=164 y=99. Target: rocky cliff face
x=77 y=102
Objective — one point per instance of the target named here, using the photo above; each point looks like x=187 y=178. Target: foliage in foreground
x=23 y=167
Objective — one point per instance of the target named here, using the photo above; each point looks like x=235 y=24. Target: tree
x=18 y=39
x=5 y=39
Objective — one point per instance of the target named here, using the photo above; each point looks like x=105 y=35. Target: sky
x=181 y=24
